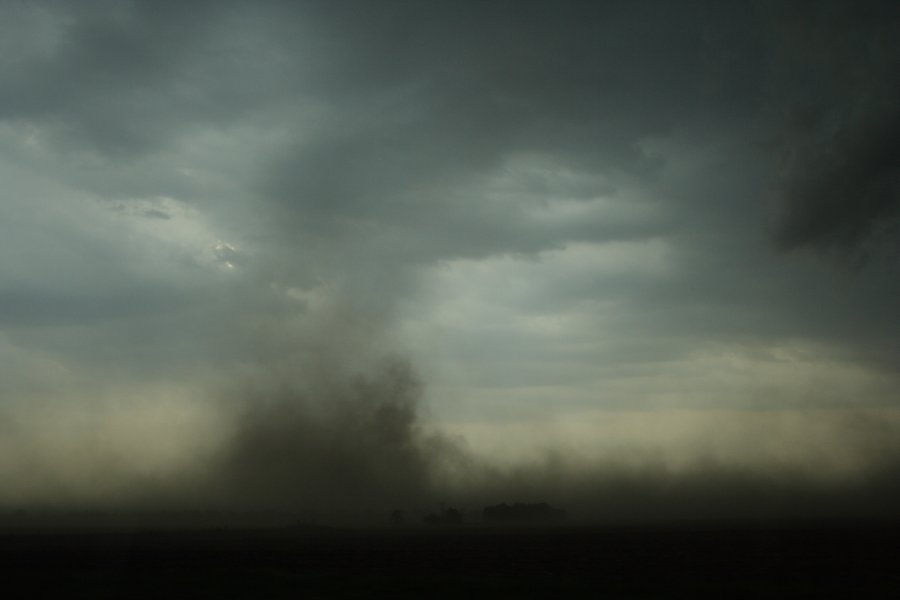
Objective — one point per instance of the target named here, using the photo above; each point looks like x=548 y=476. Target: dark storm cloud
x=429 y=103
x=426 y=99
x=122 y=78
x=422 y=100
x=845 y=190
x=841 y=177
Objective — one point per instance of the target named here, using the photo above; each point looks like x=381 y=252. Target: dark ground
x=785 y=561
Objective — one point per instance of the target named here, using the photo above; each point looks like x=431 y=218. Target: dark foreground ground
x=785 y=561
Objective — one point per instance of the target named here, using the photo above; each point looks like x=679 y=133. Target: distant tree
x=396 y=517
x=452 y=516
x=447 y=516
x=522 y=513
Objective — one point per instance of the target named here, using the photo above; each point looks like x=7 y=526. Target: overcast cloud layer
x=375 y=244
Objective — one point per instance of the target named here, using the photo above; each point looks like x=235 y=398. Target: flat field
x=831 y=560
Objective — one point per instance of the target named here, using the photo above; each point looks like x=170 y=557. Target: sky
x=299 y=253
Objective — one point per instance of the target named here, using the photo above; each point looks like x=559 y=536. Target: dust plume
x=352 y=447
x=336 y=446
